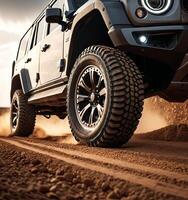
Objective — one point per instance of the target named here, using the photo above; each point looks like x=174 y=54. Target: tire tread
x=126 y=99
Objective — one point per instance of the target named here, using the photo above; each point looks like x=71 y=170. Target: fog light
x=143 y=39
x=141 y=13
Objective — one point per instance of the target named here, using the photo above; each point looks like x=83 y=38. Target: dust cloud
x=157 y=114
x=4 y=124
x=45 y=128
x=152 y=119
x=54 y=127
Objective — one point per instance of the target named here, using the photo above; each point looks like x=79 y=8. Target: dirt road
x=45 y=169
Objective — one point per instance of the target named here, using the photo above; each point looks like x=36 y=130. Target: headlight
x=156 y=6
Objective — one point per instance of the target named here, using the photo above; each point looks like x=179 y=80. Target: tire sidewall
x=26 y=116
x=78 y=129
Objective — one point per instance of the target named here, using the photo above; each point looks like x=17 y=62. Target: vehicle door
x=32 y=58
x=52 y=51
x=22 y=52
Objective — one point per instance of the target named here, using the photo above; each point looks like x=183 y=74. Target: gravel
x=27 y=175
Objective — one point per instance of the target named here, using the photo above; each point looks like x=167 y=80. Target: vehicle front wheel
x=22 y=115
x=105 y=97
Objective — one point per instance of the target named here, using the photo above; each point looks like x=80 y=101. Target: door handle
x=28 y=60
x=45 y=47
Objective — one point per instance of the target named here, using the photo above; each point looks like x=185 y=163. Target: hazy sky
x=15 y=17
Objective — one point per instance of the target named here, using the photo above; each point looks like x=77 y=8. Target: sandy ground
x=46 y=169
x=153 y=165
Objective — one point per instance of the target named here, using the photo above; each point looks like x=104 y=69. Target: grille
x=185 y=5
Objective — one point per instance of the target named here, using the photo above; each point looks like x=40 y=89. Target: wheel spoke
x=83 y=111
x=15 y=105
x=102 y=92
x=91 y=75
x=100 y=110
x=91 y=115
x=99 y=81
x=84 y=86
x=90 y=96
x=14 y=121
x=81 y=98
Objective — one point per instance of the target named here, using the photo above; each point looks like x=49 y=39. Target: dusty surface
x=168 y=133
x=153 y=165
x=46 y=169
x=173 y=113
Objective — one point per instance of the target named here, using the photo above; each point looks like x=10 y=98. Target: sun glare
x=8 y=53
x=14 y=27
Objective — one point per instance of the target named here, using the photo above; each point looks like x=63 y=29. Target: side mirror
x=54 y=15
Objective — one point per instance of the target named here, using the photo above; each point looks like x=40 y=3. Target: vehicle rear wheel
x=105 y=97
x=22 y=115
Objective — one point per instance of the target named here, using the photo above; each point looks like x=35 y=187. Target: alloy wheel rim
x=91 y=94
x=15 y=113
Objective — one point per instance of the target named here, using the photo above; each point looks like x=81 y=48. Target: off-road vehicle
x=95 y=61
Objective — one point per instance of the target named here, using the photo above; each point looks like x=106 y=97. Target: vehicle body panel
x=49 y=65
x=123 y=29
x=32 y=66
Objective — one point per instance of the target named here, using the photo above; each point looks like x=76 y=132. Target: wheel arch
x=86 y=34
x=21 y=81
x=91 y=26
x=15 y=85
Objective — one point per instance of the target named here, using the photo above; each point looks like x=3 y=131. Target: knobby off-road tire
x=22 y=116
x=123 y=101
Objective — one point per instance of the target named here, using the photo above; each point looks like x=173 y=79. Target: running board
x=48 y=95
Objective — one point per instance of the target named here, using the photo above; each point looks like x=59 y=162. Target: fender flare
x=108 y=10
x=22 y=80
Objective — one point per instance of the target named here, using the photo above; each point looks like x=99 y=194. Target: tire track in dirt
x=134 y=152
x=173 y=150
x=123 y=164
x=155 y=185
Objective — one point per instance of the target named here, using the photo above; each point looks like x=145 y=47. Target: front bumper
x=166 y=44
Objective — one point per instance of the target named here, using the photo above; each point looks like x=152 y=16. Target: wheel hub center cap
x=92 y=97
